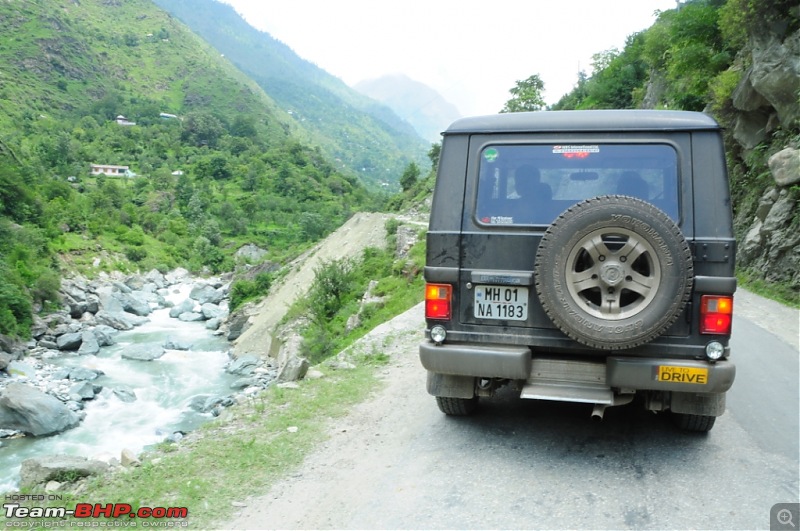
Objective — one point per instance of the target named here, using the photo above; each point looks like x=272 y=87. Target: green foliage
x=15 y=305
x=334 y=297
x=244 y=290
x=739 y=19
x=332 y=289
x=526 y=95
x=410 y=176
x=684 y=47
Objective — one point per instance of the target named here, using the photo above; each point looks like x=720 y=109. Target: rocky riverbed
x=125 y=354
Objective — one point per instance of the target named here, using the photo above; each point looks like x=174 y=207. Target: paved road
x=396 y=462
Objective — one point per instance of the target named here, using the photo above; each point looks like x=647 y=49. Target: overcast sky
x=471 y=52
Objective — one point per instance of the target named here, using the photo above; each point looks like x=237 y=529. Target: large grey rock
x=250 y=253
x=155 y=277
x=143 y=352
x=134 y=303
x=204 y=403
x=775 y=73
x=785 y=166
x=108 y=300
x=26 y=409
x=105 y=335
x=5 y=359
x=186 y=306
x=210 y=311
x=71 y=341
x=40 y=470
x=237 y=325
x=294 y=369
x=751 y=128
x=92 y=303
x=39 y=327
x=135 y=282
x=76 y=308
x=243 y=365
x=84 y=390
x=779 y=215
x=74 y=288
x=205 y=293
x=89 y=344
x=117 y=321
x=745 y=97
x=191 y=317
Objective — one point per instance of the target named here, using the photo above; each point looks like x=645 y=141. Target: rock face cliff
x=766 y=127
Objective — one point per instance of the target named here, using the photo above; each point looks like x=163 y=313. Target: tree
x=410 y=176
x=526 y=96
x=433 y=155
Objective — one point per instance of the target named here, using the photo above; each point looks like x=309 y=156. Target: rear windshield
x=533 y=184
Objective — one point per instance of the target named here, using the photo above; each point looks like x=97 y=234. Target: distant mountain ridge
x=360 y=133
x=415 y=102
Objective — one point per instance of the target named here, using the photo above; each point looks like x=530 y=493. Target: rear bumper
x=621 y=372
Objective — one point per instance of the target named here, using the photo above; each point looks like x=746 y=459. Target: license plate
x=690 y=375
x=507 y=303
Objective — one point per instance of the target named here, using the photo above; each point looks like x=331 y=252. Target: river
x=163 y=389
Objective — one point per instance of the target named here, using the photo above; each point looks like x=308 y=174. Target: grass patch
x=782 y=293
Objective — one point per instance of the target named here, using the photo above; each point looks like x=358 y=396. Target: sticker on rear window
x=498 y=220
x=580 y=152
x=490 y=154
x=576 y=149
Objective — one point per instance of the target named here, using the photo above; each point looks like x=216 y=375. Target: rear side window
x=532 y=184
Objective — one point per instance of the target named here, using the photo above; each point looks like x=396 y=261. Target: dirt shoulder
x=360 y=447
x=361 y=231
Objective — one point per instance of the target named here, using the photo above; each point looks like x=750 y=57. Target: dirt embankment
x=361 y=231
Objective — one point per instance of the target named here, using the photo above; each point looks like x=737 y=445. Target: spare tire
x=613 y=272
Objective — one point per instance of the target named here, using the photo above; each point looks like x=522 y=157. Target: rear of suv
x=582 y=256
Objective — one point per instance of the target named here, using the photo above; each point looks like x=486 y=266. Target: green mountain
x=217 y=164
x=365 y=136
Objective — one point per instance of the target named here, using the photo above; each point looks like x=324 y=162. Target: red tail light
x=716 y=314
x=438 y=299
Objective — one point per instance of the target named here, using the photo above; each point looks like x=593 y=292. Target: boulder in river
x=143 y=352
x=24 y=408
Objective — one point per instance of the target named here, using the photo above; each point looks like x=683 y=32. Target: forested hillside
x=212 y=164
x=365 y=136
x=738 y=61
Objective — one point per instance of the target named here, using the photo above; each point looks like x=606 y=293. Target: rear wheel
x=698 y=423
x=458 y=407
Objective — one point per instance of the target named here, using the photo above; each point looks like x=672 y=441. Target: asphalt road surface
x=397 y=462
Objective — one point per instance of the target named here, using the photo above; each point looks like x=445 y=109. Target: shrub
x=332 y=285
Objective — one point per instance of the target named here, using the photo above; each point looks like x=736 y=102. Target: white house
x=111 y=170
x=121 y=120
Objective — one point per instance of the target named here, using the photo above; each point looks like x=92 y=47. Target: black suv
x=582 y=256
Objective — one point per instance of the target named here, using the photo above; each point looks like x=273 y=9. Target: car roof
x=584 y=121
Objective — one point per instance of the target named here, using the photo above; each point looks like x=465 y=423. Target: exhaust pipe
x=619 y=400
